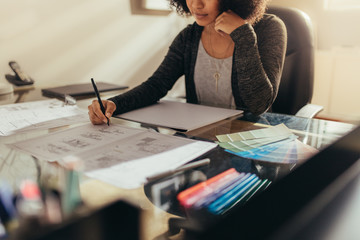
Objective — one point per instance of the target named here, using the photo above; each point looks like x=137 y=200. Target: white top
x=209 y=91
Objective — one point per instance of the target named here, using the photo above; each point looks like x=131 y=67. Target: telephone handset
x=20 y=78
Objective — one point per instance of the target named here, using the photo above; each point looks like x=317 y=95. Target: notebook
x=81 y=89
x=179 y=116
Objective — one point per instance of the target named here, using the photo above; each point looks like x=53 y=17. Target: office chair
x=296 y=86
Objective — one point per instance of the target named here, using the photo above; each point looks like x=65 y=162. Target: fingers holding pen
x=110 y=108
x=93 y=118
x=95 y=113
x=96 y=116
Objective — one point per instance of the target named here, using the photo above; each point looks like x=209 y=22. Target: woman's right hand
x=95 y=114
x=228 y=21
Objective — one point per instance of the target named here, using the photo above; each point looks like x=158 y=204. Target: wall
x=337 y=58
x=334 y=27
x=61 y=42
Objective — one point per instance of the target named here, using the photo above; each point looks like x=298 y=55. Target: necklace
x=217 y=73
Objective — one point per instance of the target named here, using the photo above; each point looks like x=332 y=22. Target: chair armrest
x=309 y=110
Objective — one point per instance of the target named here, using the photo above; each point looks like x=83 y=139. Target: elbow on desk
x=258 y=102
x=258 y=108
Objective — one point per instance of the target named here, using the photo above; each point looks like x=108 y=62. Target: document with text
x=119 y=155
x=38 y=115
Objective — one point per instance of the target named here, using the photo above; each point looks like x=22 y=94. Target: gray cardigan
x=257 y=65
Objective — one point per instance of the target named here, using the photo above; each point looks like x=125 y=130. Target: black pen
x=99 y=99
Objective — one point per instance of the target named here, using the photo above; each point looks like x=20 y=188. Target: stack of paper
x=38 y=115
x=274 y=144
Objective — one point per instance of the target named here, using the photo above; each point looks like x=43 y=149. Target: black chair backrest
x=297 y=79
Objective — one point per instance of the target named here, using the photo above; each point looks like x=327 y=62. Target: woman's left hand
x=228 y=21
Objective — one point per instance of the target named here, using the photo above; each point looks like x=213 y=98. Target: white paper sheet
x=116 y=154
x=133 y=174
x=38 y=114
x=73 y=141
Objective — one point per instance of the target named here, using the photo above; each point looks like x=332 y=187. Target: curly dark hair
x=251 y=10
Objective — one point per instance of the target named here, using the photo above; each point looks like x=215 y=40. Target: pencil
x=99 y=99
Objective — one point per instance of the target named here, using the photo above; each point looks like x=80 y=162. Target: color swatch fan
x=274 y=144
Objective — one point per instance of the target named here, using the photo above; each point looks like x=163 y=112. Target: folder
x=81 y=89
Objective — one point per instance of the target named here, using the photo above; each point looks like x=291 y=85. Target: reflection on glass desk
x=158 y=198
x=314 y=132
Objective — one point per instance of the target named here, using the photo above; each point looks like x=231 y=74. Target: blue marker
x=218 y=205
x=219 y=192
x=244 y=197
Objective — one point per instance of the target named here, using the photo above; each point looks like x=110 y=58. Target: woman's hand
x=228 y=21
x=95 y=114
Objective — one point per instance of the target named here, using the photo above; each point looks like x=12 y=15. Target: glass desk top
x=157 y=199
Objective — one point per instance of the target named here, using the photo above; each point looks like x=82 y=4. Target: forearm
x=140 y=96
x=258 y=66
x=157 y=86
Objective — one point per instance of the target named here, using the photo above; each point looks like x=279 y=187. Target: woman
x=233 y=47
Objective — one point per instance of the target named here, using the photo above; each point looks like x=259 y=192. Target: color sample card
x=270 y=132
x=246 y=145
x=274 y=144
x=286 y=151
